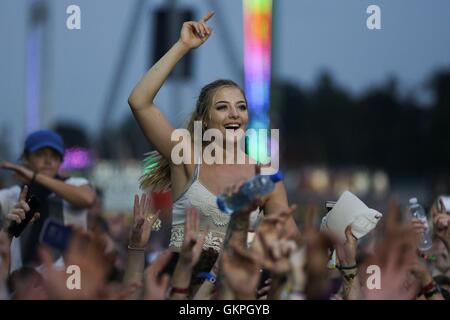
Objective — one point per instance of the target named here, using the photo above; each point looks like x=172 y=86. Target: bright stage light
x=257 y=68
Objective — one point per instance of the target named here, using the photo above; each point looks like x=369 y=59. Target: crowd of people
x=257 y=252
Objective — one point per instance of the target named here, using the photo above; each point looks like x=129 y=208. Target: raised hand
x=346 y=252
x=195 y=33
x=441 y=221
x=143 y=221
x=277 y=253
x=271 y=227
x=316 y=245
x=189 y=254
x=22 y=173
x=85 y=251
x=193 y=239
x=396 y=257
x=240 y=269
x=155 y=286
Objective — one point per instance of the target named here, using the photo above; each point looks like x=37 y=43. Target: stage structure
x=36 y=50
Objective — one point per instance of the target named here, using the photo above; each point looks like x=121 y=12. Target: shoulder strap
x=196 y=171
x=258 y=164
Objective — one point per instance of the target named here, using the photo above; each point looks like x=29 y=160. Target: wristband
x=211 y=277
x=347 y=267
x=33 y=179
x=180 y=290
x=428 y=257
x=348 y=272
x=429 y=286
x=429 y=290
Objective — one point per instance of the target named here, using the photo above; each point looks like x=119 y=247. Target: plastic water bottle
x=416 y=211
x=253 y=188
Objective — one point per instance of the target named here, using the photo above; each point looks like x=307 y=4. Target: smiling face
x=45 y=161
x=228 y=111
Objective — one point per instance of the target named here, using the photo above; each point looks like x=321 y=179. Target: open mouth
x=233 y=126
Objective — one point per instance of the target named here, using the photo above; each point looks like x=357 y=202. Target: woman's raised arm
x=152 y=121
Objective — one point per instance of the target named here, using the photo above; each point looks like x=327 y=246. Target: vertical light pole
x=35 y=35
x=257 y=70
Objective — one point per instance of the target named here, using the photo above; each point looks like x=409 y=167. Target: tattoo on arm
x=238 y=227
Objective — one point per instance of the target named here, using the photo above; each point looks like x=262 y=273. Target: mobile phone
x=446 y=202
x=15 y=228
x=55 y=235
x=265 y=275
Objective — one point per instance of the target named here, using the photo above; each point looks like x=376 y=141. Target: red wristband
x=429 y=286
x=180 y=290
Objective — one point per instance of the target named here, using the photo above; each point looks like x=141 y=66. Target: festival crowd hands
x=297 y=265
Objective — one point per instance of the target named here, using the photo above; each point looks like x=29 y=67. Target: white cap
x=349 y=209
x=413 y=201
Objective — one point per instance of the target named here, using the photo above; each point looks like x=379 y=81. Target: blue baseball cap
x=44 y=139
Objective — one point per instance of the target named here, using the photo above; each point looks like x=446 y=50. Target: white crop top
x=199 y=197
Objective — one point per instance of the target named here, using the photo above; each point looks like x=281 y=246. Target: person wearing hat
x=65 y=199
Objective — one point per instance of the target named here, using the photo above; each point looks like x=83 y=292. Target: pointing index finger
x=207 y=17
x=23 y=194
